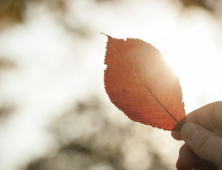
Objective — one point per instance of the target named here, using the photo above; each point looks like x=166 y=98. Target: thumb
x=204 y=143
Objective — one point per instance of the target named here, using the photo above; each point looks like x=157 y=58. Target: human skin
x=202 y=134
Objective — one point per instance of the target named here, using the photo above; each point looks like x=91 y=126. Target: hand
x=203 y=139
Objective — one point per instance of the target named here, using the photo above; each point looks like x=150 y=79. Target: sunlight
x=190 y=48
x=193 y=55
x=189 y=45
x=187 y=42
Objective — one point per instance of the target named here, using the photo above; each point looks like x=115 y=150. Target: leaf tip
x=106 y=35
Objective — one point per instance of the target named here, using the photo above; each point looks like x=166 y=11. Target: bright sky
x=54 y=70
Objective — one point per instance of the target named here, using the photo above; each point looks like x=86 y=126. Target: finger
x=187 y=159
x=208 y=116
x=204 y=143
x=176 y=135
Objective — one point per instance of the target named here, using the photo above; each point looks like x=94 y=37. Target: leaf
x=140 y=83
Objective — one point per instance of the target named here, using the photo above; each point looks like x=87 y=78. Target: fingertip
x=176 y=135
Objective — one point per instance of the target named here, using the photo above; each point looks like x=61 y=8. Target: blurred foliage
x=208 y=5
x=90 y=140
x=5 y=109
x=106 y=1
x=5 y=112
x=6 y=64
x=14 y=11
x=200 y=3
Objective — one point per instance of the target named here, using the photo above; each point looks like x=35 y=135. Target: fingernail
x=189 y=131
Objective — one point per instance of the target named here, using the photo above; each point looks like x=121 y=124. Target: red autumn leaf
x=141 y=84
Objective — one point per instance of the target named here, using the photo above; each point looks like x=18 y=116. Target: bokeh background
x=54 y=112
